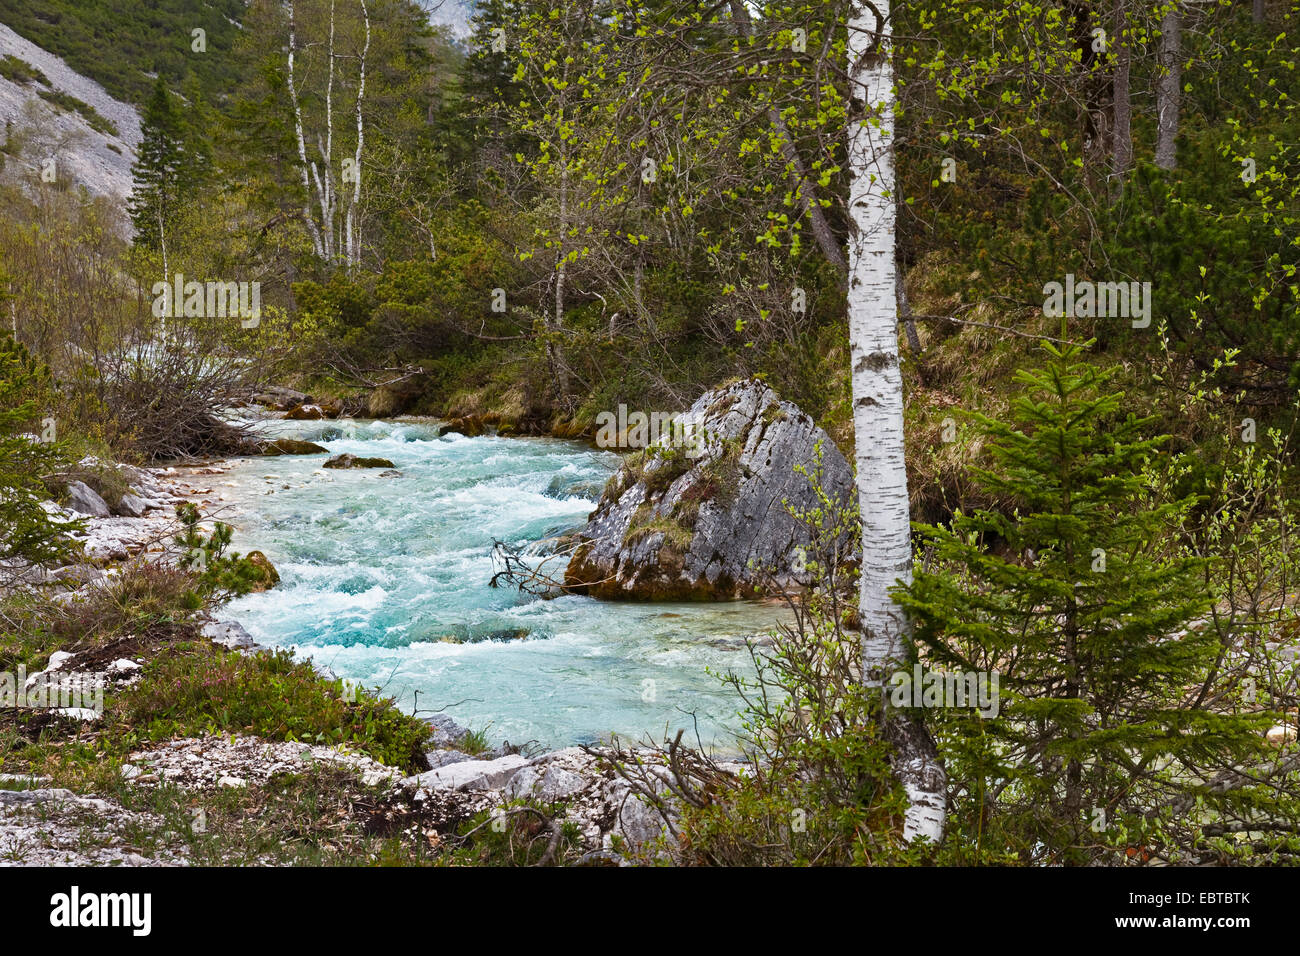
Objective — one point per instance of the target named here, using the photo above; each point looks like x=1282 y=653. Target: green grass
x=197 y=688
x=643 y=526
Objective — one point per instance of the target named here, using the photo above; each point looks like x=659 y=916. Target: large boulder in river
x=687 y=519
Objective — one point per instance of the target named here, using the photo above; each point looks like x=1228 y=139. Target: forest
x=1030 y=266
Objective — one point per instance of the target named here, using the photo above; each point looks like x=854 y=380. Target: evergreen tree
x=168 y=170
x=28 y=454
x=1110 y=718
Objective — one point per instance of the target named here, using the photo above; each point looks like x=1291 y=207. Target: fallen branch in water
x=514 y=569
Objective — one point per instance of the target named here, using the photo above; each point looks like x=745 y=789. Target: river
x=385 y=580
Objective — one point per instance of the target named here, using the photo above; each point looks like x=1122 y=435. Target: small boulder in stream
x=285 y=446
x=267 y=576
x=352 y=461
x=714 y=524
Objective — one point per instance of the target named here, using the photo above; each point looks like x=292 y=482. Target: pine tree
x=28 y=454
x=1078 y=602
x=168 y=170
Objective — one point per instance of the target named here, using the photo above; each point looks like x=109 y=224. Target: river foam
x=385 y=580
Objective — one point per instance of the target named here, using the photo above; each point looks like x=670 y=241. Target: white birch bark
x=318 y=245
x=335 y=229
x=353 y=227
x=878 y=399
x=325 y=184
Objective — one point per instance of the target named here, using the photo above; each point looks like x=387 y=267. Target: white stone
x=471 y=774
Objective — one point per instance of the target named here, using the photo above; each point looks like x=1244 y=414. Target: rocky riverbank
x=127 y=808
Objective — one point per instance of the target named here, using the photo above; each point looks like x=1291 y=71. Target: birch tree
x=330 y=211
x=877 y=386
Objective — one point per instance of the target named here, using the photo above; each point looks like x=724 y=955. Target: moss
x=644 y=524
x=775 y=413
x=672 y=464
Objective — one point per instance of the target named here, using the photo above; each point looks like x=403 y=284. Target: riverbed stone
x=83 y=500
x=131 y=506
x=445 y=731
x=471 y=774
x=229 y=634
x=352 y=461
x=445 y=758
x=705 y=513
x=286 y=446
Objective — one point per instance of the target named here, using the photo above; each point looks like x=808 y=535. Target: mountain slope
x=63 y=115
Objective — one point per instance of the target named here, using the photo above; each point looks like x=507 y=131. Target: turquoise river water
x=385 y=580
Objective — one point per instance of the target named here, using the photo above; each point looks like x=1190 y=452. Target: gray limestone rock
x=710 y=518
x=83 y=500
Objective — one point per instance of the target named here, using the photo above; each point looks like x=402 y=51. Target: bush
x=197 y=688
x=28 y=533
x=1119 y=730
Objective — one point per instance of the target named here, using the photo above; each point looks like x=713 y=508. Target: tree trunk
x=353 y=226
x=1257 y=11
x=878 y=402
x=1123 y=132
x=554 y=352
x=821 y=228
x=1168 y=85
x=317 y=242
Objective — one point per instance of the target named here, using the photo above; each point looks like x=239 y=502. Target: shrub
x=28 y=533
x=199 y=688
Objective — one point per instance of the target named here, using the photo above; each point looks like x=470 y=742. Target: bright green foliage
x=28 y=455
x=220 y=576
x=198 y=688
x=1097 y=628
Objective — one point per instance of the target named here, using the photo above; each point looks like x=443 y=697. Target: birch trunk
x=878 y=400
x=353 y=221
x=318 y=245
x=1168 y=85
x=335 y=233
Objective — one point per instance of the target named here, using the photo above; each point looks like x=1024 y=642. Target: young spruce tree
x=28 y=454
x=1073 y=595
